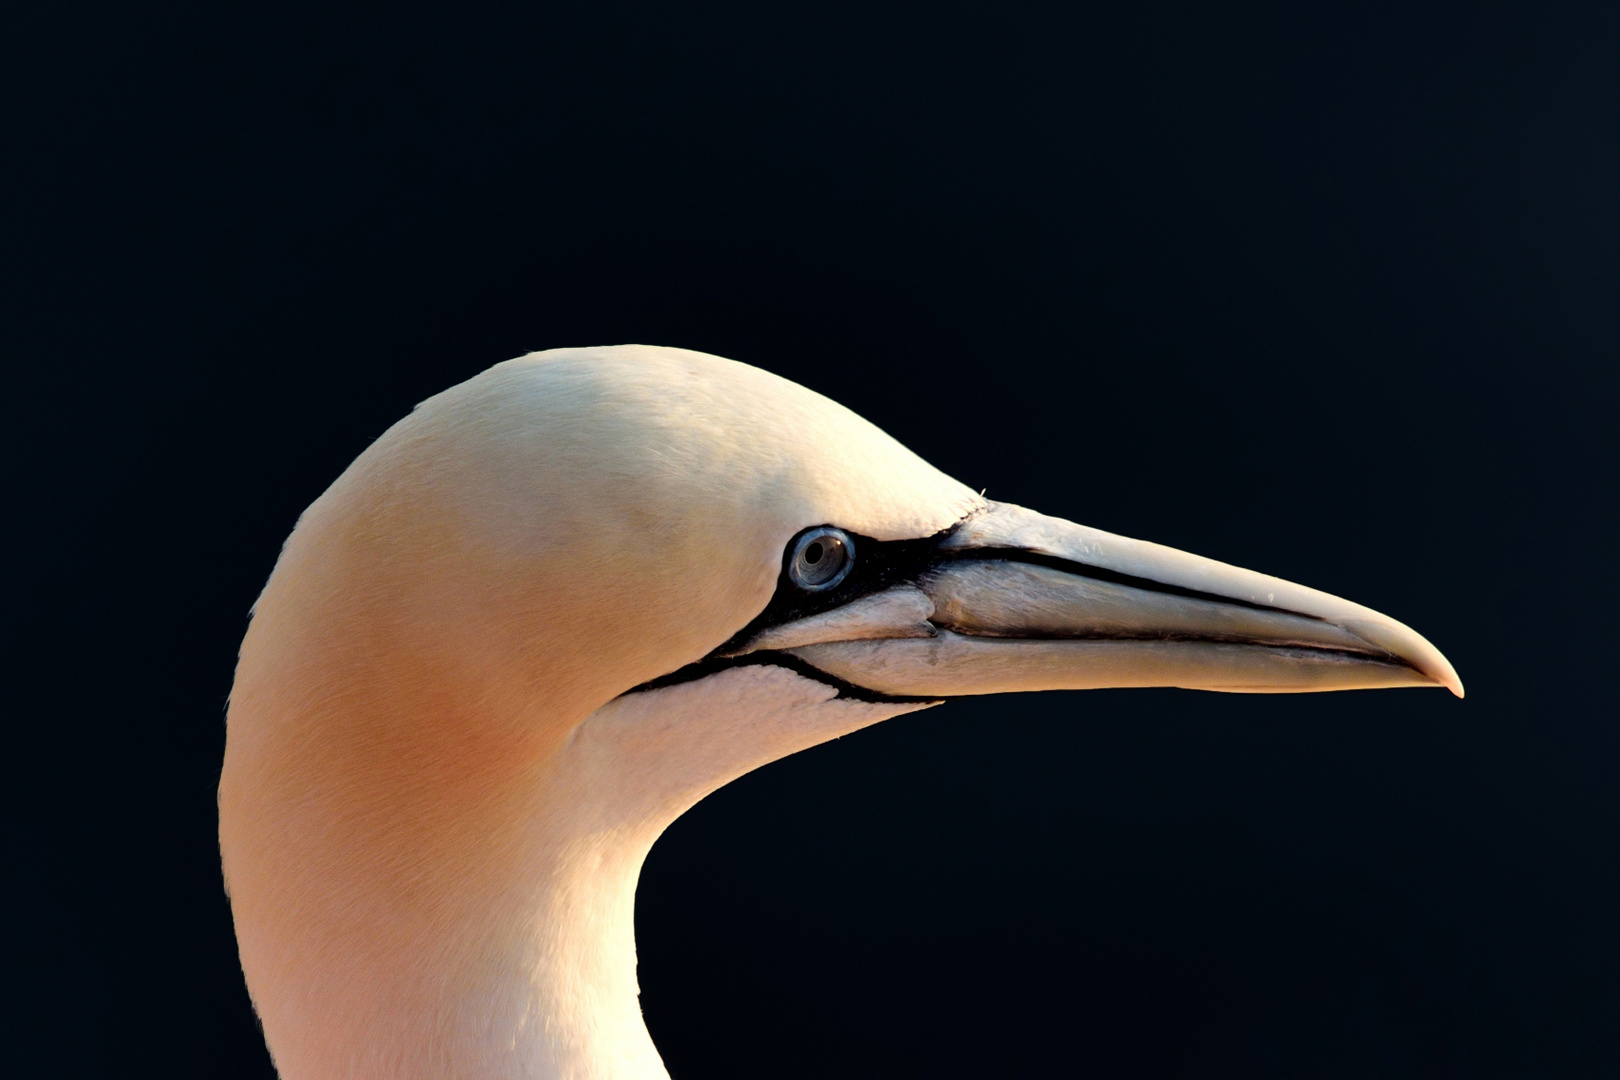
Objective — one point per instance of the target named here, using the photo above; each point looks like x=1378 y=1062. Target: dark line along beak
x=1021 y=601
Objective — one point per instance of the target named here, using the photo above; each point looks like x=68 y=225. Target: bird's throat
x=496 y=936
x=627 y=772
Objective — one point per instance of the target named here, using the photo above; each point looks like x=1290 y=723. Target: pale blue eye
x=822 y=557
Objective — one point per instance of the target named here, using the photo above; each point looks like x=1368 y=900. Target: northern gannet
x=558 y=604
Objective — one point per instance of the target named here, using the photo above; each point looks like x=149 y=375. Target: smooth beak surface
x=1020 y=601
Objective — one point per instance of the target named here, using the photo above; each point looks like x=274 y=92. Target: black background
x=1328 y=291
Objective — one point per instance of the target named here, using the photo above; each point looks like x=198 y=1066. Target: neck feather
x=513 y=954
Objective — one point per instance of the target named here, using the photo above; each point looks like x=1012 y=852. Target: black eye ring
x=822 y=557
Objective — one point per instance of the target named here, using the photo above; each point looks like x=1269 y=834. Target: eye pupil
x=820 y=558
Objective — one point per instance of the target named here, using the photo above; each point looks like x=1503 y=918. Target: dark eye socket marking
x=880 y=565
x=869 y=566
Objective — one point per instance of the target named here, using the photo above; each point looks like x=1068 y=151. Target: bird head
x=560 y=602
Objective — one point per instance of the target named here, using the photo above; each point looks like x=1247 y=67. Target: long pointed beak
x=1022 y=601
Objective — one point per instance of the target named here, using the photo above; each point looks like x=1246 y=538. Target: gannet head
x=557 y=604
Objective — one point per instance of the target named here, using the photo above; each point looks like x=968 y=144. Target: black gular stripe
x=713 y=665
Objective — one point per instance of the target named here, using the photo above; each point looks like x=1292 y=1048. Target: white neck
x=630 y=770
x=535 y=976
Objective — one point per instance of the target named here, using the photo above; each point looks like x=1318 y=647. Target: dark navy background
x=1330 y=291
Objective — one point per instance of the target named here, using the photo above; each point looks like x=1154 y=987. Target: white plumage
x=443 y=768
